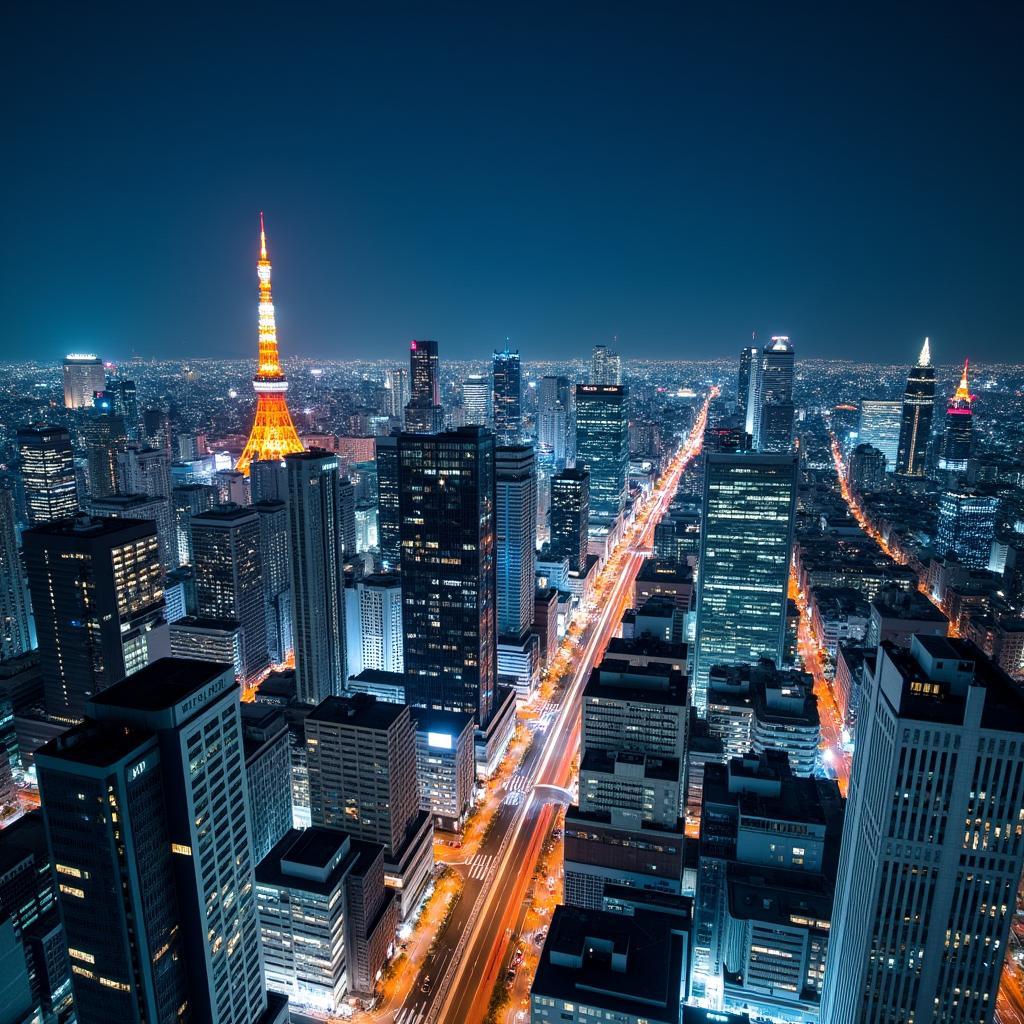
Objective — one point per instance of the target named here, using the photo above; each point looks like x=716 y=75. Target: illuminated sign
x=439 y=740
x=137 y=771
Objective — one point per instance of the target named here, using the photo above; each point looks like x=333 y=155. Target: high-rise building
x=516 y=521
x=268 y=774
x=17 y=633
x=570 y=514
x=605 y=366
x=507 y=397
x=445 y=765
x=139 y=506
x=867 y=469
x=83 y=377
x=916 y=420
x=747 y=381
x=273 y=434
x=396 y=391
x=958 y=433
x=188 y=500
x=476 y=400
x=388 y=533
x=361 y=757
x=879 y=424
x=48 y=471
x=447 y=524
x=126 y=404
x=140 y=837
x=317 y=574
x=373 y=624
x=347 y=516
x=327 y=920
x=628 y=828
x=144 y=471
x=932 y=850
x=966 y=525
x=602 y=445
x=423 y=414
x=765 y=882
x=773 y=420
x=216 y=640
x=228 y=572
x=97 y=590
x=516 y=545
x=746 y=544
x=103 y=436
x=277 y=583
x=630 y=968
x=555 y=420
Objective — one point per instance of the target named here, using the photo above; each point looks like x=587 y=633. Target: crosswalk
x=409 y=1016
x=517 y=784
x=478 y=866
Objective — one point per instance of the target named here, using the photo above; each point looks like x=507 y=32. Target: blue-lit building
x=602 y=445
x=507 y=397
x=966 y=525
x=746 y=544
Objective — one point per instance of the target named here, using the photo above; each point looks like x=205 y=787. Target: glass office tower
x=746 y=544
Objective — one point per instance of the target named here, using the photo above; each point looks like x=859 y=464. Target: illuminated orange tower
x=273 y=434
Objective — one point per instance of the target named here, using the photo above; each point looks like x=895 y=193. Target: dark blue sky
x=677 y=177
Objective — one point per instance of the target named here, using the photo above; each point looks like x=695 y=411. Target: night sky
x=678 y=178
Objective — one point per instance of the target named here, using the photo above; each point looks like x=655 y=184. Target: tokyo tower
x=273 y=434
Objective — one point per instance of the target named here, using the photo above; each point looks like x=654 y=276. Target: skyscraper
x=396 y=391
x=879 y=424
x=140 y=506
x=447 y=524
x=373 y=626
x=570 y=514
x=932 y=846
x=423 y=414
x=276 y=573
x=273 y=434
x=507 y=397
x=97 y=590
x=747 y=380
x=916 y=421
x=48 y=470
x=958 y=433
x=602 y=445
x=152 y=838
x=361 y=755
x=83 y=377
x=867 y=469
x=746 y=543
x=605 y=366
x=516 y=519
x=16 y=628
x=966 y=525
x=387 y=500
x=476 y=400
x=555 y=420
x=104 y=436
x=229 y=578
x=317 y=574
x=773 y=418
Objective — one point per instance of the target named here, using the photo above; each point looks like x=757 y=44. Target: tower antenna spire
x=273 y=434
x=925 y=358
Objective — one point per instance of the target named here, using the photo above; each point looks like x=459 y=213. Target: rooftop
x=624 y=965
x=162 y=684
x=361 y=710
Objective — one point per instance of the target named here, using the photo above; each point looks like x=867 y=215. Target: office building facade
x=448 y=570
x=746 y=544
x=317 y=574
x=570 y=516
x=83 y=377
x=602 y=445
x=48 y=472
x=507 y=397
x=98 y=601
